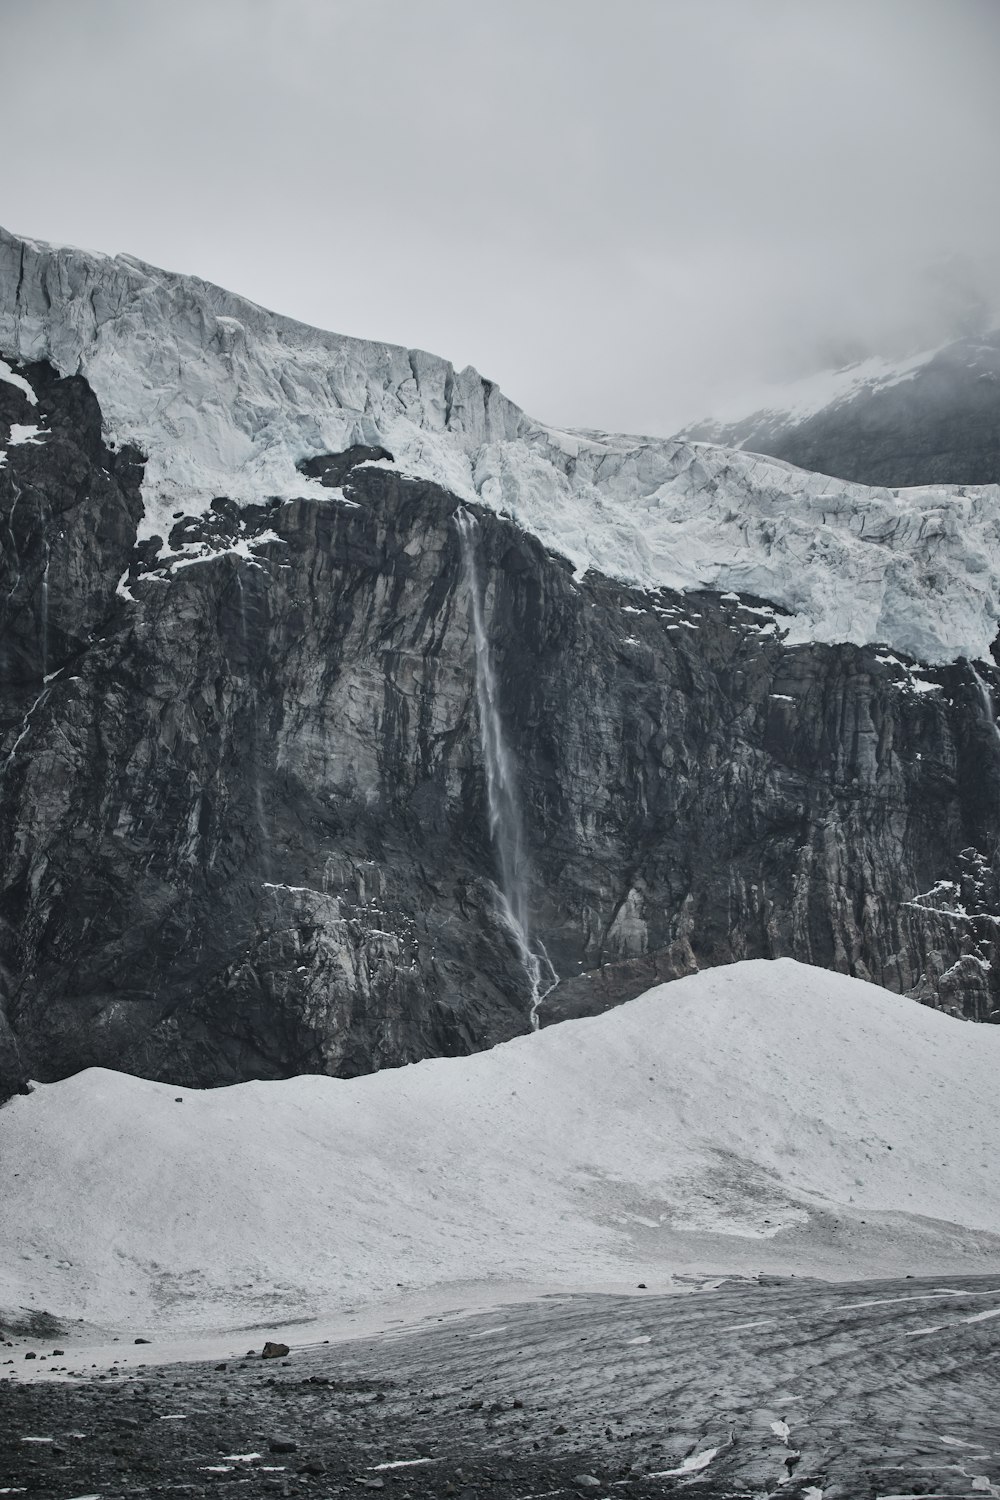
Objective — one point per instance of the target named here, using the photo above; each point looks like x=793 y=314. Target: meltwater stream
x=501 y=787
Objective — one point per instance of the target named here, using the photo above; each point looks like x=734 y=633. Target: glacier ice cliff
x=225 y=398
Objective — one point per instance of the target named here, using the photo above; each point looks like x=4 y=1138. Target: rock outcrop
x=243 y=818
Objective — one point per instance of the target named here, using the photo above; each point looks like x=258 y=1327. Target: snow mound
x=763 y=1115
x=225 y=398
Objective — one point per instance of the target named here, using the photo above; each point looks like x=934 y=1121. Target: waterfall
x=986 y=699
x=506 y=829
x=256 y=777
x=45 y=614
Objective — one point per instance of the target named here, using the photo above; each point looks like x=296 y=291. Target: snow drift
x=764 y=1115
x=225 y=398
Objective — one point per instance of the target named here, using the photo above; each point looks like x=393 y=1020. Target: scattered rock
x=142 y=1341
x=282 y=1445
x=273 y=1351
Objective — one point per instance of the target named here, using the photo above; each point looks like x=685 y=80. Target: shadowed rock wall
x=243 y=826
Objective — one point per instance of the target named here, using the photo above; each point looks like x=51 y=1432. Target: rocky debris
x=644 y=1420
x=243 y=820
x=333 y=469
x=274 y=1351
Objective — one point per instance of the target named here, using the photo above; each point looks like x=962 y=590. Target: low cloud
x=623 y=214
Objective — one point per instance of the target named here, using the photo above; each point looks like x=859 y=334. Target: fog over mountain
x=623 y=218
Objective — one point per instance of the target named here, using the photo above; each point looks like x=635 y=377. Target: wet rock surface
x=243 y=817
x=770 y=1387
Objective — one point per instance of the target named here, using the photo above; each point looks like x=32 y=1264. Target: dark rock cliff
x=939 y=425
x=243 y=823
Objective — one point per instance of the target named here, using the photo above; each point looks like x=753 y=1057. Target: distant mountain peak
x=929 y=417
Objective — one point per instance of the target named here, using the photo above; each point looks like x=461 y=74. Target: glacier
x=226 y=398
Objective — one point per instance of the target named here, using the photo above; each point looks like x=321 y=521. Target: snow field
x=725 y=1119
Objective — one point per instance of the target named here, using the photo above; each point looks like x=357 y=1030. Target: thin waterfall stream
x=986 y=699
x=256 y=776
x=44 y=622
x=506 y=829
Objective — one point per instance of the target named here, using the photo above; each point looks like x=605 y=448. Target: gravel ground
x=801 y=1389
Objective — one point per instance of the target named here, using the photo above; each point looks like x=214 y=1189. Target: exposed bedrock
x=243 y=813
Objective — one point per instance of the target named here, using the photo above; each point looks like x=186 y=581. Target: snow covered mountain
x=760 y=1117
x=285 y=749
x=932 y=418
x=224 y=398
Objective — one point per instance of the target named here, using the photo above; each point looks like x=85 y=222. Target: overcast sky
x=624 y=211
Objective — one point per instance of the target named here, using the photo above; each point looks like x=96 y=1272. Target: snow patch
x=21 y=433
x=12 y=378
x=691 y=1465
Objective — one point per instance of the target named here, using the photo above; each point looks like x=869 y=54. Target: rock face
x=935 y=423
x=243 y=815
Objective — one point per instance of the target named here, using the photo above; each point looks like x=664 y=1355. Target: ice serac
x=244 y=804
x=932 y=418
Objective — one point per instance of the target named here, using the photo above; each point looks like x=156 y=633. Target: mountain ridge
x=933 y=417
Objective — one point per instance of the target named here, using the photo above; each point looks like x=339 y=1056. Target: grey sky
x=622 y=210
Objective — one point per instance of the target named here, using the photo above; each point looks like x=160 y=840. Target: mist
x=624 y=215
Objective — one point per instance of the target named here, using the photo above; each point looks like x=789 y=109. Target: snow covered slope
x=933 y=417
x=225 y=398
x=781 y=406
x=764 y=1115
